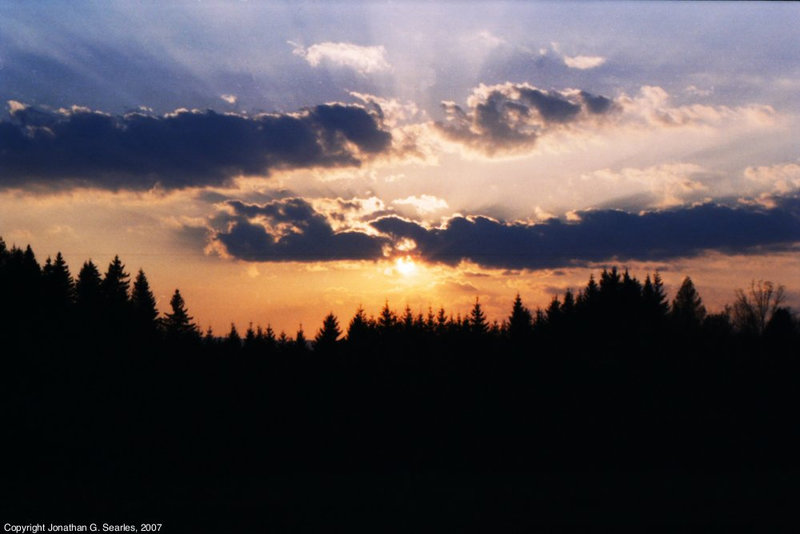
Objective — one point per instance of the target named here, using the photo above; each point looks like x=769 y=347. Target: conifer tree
x=520 y=322
x=270 y=342
x=250 y=338
x=178 y=324
x=328 y=335
x=300 y=341
x=144 y=304
x=687 y=307
x=233 y=340
x=115 y=284
x=58 y=282
x=358 y=329
x=387 y=320
x=477 y=319
x=88 y=291
x=654 y=299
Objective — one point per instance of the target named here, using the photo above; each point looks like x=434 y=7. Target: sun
x=405 y=266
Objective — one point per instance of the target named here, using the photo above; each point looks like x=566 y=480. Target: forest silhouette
x=581 y=405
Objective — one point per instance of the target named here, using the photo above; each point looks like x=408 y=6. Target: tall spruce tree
x=178 y=324
x=116 y=283
x=520 y=322
x=477 y=319
x=145 y=314
x=328 y=335
x=687 y=310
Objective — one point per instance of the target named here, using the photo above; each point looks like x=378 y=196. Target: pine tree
x=654 y=299
x=178 y=324
x=88 y=292
x=477 y=319
x=59 y=285
x=270 y=342
x=387 y=320
x=143 y=302
x=359 y=327
x=300 y=341
x=328 y=336
x=233 y=340
x=408 y=319
x=520 y=322
x=115 y=284
x=687 y=307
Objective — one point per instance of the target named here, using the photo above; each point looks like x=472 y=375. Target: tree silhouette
x=477 y=319
x=178 y=324
x=520 y=322
x=328 y=336
x=89 y=296
x=359 y=331
x=300 y=341
x=143 y=302
x=654 y=298
x=752 y=311
x=58 y=283
x=116 y=284
x=233 y=341
x=687 y=307
x=387 y=320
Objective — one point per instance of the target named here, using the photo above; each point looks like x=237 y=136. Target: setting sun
x=406 y=266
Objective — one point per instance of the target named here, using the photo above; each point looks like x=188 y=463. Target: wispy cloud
x=584 y=62
x=362 y=59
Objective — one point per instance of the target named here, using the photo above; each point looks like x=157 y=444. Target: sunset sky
x=277 y=161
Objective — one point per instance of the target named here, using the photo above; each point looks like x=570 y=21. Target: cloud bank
x=291 y=230
x=181 y=149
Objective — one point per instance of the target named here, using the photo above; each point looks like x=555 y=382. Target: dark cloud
x=185 y=149
x=291 y=230
x=511 y=116
x=603 y=235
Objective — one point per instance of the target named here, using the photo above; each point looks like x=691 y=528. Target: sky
x=279 y=161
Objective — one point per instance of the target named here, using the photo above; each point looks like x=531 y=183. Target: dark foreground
x=443 y=439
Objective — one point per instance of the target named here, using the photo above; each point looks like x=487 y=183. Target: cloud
x=362 y=59
x=583 y=62
x=423 y=204
x=291 y=230
x=669 y=184
x=602 y=235
x=230 y=99
x=783 y=178
x=510 y=118
x=183 y=149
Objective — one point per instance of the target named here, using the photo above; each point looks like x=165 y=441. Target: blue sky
x=285 y=140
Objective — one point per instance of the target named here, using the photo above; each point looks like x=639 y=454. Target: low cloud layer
x=602 y=235
x=291 y=230
x=178 y=150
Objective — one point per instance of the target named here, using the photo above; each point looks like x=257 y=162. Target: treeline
x=615 y=404
x=45 y=304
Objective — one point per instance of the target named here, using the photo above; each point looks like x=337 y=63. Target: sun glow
x=405 y=266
